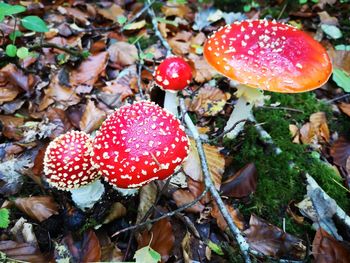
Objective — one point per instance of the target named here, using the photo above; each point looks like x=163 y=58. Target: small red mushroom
x=139 y=143
x=67 y=165
x=267 y=55
x=173 y=75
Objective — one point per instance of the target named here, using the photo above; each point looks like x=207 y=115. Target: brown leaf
x=203 y=72
x=38 y=208
x=216 y=163
x=59 y=118
x=39 y=161
x=116 y=88
x=340 y=59
x=92 y=117
x=162 y=237
x=109 y=250
x=18 y=78
x=8 y=90
x=12 y=127
x=293 y=211
x=180 y=43
x=175 y=9
x=57 y=92
x=116 y=211
x=316 y=130
x=209 y=101
x=111 y=12
x=340 y=151
x=234 y=213
x=242 y=183
x=89 y=70
x=148 y=195
x=345 y=107
x=75 y=14
x=22 y=251
x=326 y=249
x=86 y=249
x=294 y=131
x=122 y=54
x=182 y=197
x=273 y=241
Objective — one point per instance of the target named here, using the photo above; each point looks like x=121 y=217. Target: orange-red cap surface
x=268 y=55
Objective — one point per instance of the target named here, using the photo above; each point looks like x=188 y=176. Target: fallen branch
x=242 y=243
x=68 y=50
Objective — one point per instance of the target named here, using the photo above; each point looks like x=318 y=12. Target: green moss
x=281 y=177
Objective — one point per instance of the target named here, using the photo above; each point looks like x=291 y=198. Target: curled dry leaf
x=180 y=43
x=292 y=211
x=209 y=101
x=242 y=183
x=111 y=12
x=273 y=241
x=234 y=213
x=162 y=237
x=202 y=71
x=316 y=130
x=59 y=119
x=326 y=248
x=38 y=208
x=76 y=14
x=22 y=251
x=174 y=9
x=11 y=127
x=8 y=90
x=122 y=54
x=86 y=249
x=193 y=249
x=340 y=59
x=89 y=70
x=340 y=151
x=16 y=76
x=109 y=250
x=183 y=197
x=216 y=163
x=92 y=117
x=345 y=107
x=39 y=161
x=116 y=211
x=148 y=195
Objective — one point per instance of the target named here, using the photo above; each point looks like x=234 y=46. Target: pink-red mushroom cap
x=173 y=74
x=67 y=161
x=268 y=55
x=139 y=143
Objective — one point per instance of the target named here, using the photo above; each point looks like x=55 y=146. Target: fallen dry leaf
x=340 y=58
x=209 y=101
x=273 y=241
x=180 y=43
x=193 y=249
x=242 y=183
x=75 y=13
x=148 y=195
x=216 y=163
x=118 y=55
x=316 y=130
x=345 y=107
x=38 y=208
x=340 y=151
x=326 y=249
x=109 y=250
x=293 y=211
x=162 y=237
x=116 y=211
x=111 y=12
x=86 y=249
x=16 y=76
x=22 y=251
x=11 y=127
x=92 y=117
x=234 y=213
x=203 y=72
x=89 y=70
x=174 y=9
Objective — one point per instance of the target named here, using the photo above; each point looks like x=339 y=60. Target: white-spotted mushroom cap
x=67 y=161
x=268 y=55
x=139 y=143
x=173 y=74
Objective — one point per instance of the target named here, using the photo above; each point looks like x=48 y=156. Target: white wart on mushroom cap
x=139 y=143
x=67 y=161
x=268 y=55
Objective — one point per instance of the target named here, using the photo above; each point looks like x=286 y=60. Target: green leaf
x=15 y=34
x=147 y=254
x=247 y=8
x=121 y=20
x=4 y=218
x=11 y=50
x=332 y=31
x=34 y=23
x=22 y=52
x=342 y=47
x=342 y=79
x=166 y=21
x=7 y=10
x=302 y=2
x=214 y=247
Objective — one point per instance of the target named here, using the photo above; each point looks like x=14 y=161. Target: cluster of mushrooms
x=143 y=142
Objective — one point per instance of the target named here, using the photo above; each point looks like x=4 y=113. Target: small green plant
x=32 y=23
x=302 y=2
x=4 y=218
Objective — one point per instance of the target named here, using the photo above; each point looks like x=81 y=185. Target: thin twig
x=153 y=16
x=338 y=98
x=242 y=243
x=166 y=215
x=280 y=108
x=136 y=16
x=139 y=69
x=52 y=45
x=227 y=131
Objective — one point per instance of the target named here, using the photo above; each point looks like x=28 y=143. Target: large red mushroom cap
x=139 y=143
x=173 y=74
x=67 y=161
x=268 y=55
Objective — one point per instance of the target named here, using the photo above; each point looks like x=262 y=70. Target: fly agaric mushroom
x=67 y=166
x=139 y=143
x=266 y=55
x=173 y=75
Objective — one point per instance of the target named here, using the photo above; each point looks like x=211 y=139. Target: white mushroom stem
x=171 y=102
x=125 y=191
x=242 y=111
x=86 y=196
